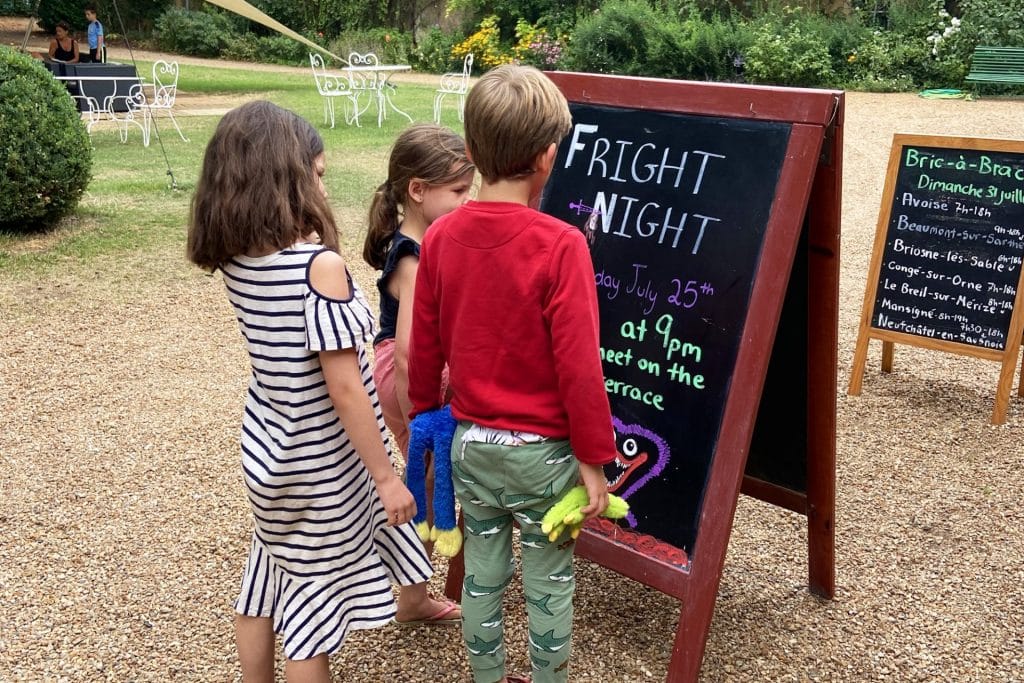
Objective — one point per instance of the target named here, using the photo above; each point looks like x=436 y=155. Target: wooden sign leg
x=687 y=655
x=887 y=352
x=1004 y=389
x=1020 y=382
x=860 y=359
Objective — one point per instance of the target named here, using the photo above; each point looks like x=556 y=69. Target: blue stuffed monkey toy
x=434 y=431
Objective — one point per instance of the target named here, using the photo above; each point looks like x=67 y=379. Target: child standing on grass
x=94 y=35
x=429 y=175
x=332 y=517
x=505 y=296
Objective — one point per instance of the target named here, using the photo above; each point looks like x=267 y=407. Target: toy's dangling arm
x=446 y=534
x=420 y=438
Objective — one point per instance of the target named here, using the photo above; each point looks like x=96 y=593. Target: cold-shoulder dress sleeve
x=335 y=324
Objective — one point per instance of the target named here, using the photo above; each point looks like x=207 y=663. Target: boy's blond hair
x=512 y=114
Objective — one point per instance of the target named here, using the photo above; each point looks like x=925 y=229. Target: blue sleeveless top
x=401 y=246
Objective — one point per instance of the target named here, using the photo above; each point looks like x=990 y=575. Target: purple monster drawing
x=634 y=464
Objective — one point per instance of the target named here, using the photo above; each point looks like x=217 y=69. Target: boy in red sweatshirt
x=505 y=296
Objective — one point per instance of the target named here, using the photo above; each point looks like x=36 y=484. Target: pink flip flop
x=443 y=617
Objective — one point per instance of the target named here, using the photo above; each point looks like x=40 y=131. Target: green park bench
x=1003 y=65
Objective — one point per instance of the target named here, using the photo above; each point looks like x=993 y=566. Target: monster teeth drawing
x=628 y=459
x=633 y=466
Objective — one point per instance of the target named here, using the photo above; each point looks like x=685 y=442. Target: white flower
x=948 y=32
x=955 y=22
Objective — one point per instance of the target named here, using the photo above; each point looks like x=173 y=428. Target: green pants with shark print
x=495 y=484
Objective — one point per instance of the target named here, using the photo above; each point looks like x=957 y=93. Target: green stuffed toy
x=565 y=514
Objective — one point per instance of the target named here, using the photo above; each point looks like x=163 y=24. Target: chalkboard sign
x=675 y=208
x=946 y=272
x=695 y=199
x=953 y=250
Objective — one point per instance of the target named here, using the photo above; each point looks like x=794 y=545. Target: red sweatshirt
x=505 y=295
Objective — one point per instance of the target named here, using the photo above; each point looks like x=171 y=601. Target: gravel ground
x=124 y=525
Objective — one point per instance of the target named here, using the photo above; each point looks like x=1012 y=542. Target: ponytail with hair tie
x=384 y=221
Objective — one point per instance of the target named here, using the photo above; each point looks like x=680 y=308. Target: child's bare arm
x=345 y=386
x=597 y=490
x=405 y=282
x=327 y=276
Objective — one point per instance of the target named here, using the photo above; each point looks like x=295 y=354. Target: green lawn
x=131 y=205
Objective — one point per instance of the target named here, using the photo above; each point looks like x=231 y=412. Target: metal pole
x=28 y=29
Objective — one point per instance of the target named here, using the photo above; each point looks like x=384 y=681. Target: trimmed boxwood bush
x=45 y=154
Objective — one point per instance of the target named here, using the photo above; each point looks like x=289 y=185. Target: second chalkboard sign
x=946 y=270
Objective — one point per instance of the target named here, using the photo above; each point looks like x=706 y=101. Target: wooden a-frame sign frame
x=804 y=219
x=1006 y=357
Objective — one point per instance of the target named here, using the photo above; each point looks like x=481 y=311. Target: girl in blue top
x=429 y=175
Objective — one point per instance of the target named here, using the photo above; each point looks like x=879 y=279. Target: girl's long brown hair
x=257 y=188
x=431 y=153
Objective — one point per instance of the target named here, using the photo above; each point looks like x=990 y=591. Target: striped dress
x=322 y=559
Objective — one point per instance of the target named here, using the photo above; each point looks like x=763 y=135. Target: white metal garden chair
x=165 y=90
x=454 y=83
x=331 y=86
x=140 y=110
x=132 y=111
x=364 y=78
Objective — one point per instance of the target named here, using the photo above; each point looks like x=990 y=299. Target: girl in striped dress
x=332 y=529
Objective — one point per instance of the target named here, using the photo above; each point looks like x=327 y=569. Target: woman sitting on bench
x=63 y=48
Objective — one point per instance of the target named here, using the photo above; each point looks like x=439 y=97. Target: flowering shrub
x=536 y=47
x=485 y=45
x=993 y=22
x=946 y=51
x=948 y=27
x=434 y=51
